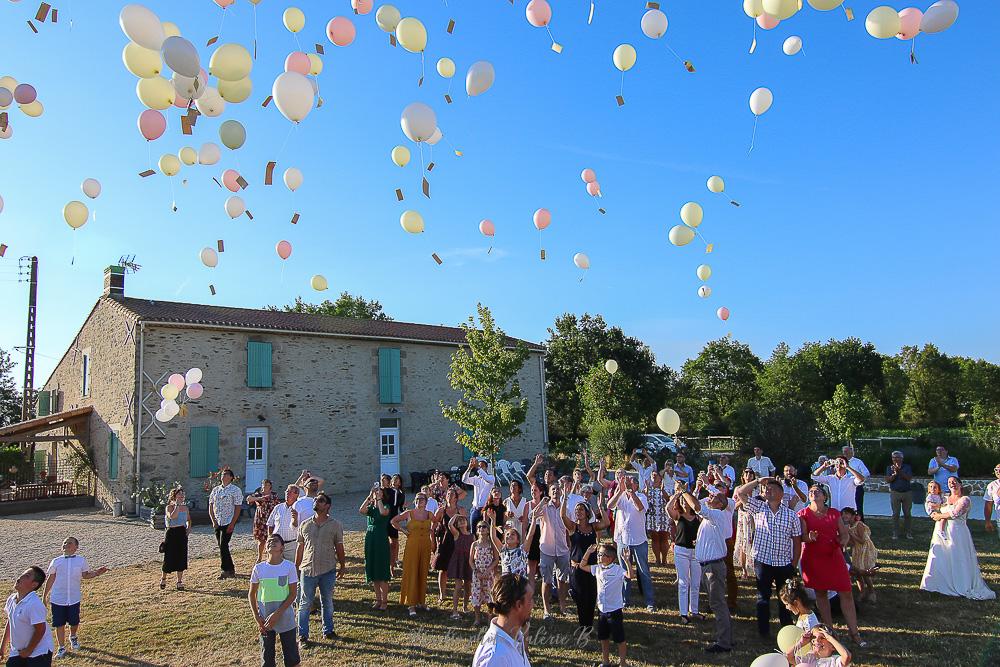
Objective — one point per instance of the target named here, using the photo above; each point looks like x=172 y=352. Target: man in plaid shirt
x=776 y=546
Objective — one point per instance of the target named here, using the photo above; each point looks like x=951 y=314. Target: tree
x=491 y=409
x=785 y=431
x=932 y=390
x=848 y=413
x=817 y=369
x=721 y=377
x=980 y=386
x=10 y=396
x=346 y=305
x=774 y=380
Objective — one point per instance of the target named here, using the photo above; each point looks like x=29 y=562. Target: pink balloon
x=229 y=177
x=723 y=313
x=24 y=93
x=909 y=22
x=362 y=6
x=177 y=380
x=542 y=219
x=152 y=124
x=487 y=228
x=767 y=22
x=180 y=102
x=224 y=3
x=194 y=391
x=340 y=31
x=538 y=13
x=298 y=62
x=593 y=188
x=284 y=249
x=588 y=176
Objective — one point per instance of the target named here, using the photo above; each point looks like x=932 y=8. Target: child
x=513 y=557
x=273 y=587
x=482 y=560
x=432 y=503
x=610 y=597
x=822 y=654
x=796 y=600
x=933 y=502
x=863 y=553
x=459 y=568
x=67 y=570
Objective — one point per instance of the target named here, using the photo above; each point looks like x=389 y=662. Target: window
x=390 y=389
x=258 y=364
x=113 y=446
x=203 y=455
x=44 y=403
x=86 y=374
x=255 y=448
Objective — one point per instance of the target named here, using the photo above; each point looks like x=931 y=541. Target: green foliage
x=985 y=428
x=154 y=495
x=932 y=391
x=614 y=439
x=848 y=413
x=346 y=305
x=491 y=409
x=713 y=384
x=14 y=463
x=10 y=395
x=786 y=431
x=610 y=397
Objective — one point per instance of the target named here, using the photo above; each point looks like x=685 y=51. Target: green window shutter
x=41 y=461
x=390 y=386
x=203 y=455
x=113 y=444
x=44 y=404
x=258 y=364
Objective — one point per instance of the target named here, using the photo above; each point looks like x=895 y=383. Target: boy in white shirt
x=62 y=589
x=26 y=632
x=273 y=589
x=610 y=597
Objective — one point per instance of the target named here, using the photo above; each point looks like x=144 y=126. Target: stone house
x=344 y=398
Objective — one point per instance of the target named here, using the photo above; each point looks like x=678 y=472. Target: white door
x=389 y=450
x=256 y=459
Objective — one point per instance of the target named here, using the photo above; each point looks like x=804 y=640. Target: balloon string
x=285 y=142
x=753 y=137
x=753 y=44
x=149 y=155
x=621 y=89
x=913 y=53
x=679 y=59
x=173 y=197
x=422 y=73
x=72 y=258
x=282 y=279
x=255 y=32
x=550 y=34
x=221 y=23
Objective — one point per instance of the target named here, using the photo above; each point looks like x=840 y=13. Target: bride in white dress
x=952 y=565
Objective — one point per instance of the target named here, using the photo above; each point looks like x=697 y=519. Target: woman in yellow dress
x=417 y=556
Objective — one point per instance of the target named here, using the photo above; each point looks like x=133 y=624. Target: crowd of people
x=590 y=537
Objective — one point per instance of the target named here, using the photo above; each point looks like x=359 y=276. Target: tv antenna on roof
x=128 y=263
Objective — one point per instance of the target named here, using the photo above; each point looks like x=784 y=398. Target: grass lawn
x=129 y=621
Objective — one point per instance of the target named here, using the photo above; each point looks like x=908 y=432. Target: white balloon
x=704 y=291
x=193 y=376
x=479 y=78
x=209 y=154
x=581 y=260
x=670 y=422
x=611 y=366
x=292 y=178
x=162 y=416
x=181 y=56
x=209 y=257
x=654 y=24
x=939 y=17
x=754 y=8
x=760 y=101
x=792 y=45
x=142 y=26
x=91 y=187
x=211 y=103
x=418 y=122
x=235 y=206
x=190 y=87
x=293 y=95
x=436 y=137
x=171 y=408
x=680 y=235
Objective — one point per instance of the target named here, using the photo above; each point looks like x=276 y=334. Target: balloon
x=939 y=17
x=25 y=93
x=781 y=9
x=792 y=45
x=315 y=64
x=479 y=78
x=446 y=67
x=211 y=103
x=668 y=420
x=909 y=23
x=883 y=22
x=318 y=283
x=412 y=222
x=624 y=57
x=177 y=380
x=723 y=314
x=680 y=235
x=704 y=291
x=91 y=187
x=716 y=184
x=788 y=637
x=209 y=154
x=418 y=122
x=181 y=56
x=486 y=228
x=170 y=29
x=224 y=3
x=692 y=214
x=542 y=219
x=588 y=175
x=593 y=189
x=169 y=164
x=753 y=8
x=538 y=13
x=341 y=31
x=229 y=178
x=294 y=19
x=188 y=155
x=654 y=24
x=611 y=366
x=581 y=261
x=770 y=660
x=760 y=101
x=142 y=26
x=436 y=137
x=401 y=156
x=6 y=98
x=292 y=178
x=190 y=87
x=235 y=206
x=233 y=134
x=387 y=18
x=361 y=6
x=142 y=62
x=152 y=124
x=169 y=392
x=35 y=109
x=411 y=34
x=825 y=5
x=8 y=82
x=170 y=407
x=704 y=272
x=767 y=22
x=230 y=62
x=155 y=92
x=194 y=375
x=75 y=213
x=235 y=91
x=293 y=95
x=162 y=416
x=284 y=249
x=195 y=391
x=7 y=132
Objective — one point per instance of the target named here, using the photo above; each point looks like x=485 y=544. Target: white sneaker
x=74 y=643
x=61 y=653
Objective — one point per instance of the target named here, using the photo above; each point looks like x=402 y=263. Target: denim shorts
x=546 y=563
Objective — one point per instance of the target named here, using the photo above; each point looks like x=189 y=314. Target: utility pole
x=27 y=398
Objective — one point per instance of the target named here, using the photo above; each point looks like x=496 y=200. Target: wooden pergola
x=76 y=422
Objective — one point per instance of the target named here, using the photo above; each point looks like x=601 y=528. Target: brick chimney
x=114 y=281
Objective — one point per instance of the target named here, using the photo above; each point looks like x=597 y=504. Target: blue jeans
x=641 y=554
x=307 y=589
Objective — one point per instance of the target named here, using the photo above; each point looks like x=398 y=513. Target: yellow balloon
x=294 y=19
x=704 y=272
x=680 y=235
x=446 y=67
x=169 y=164
x=782 y=9
x=412 y=222
x=75 y=213
x=825 y=5
x=387 y=18
x=318 y=283
x=235 y=91
x=8 y=82
x=401 y=156
x=716 y=184
x=883 y=22
x=624 y=57
x=788 y=637
x=144 y=63
x=753 y=8
x=691 y=214
x=155 y=92
x=170 y=29
x=411 y=34
x=33 y=109
x=315 y=64
x=230 y=62
x=188 y=155
x=169 y=392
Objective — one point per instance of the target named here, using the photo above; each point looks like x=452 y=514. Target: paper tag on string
x=590 y=18
x=3 y=249
x=242 y=182
x=753 y=45
x=267 y=101
x=430 y=166
x=458 y=153
x=55 y=15
x=850 y=13
x=212 y=41
x=689 y=66
x=709 y=248
x=319 y=102
x=43 y=11
x=652 y=5
x=33 y=28
x=173 y=206
x=269 y=173
x=249 y=214
x=217 y=181
x=557 y=47
x=426 y=188
x=620 y=100
x=399 y=195
x=734 y=202
x=221 y=245
x=186 y=125
x=211 y=288
x=436 y=258
x=451 y=26
x=319 y=49
x=542 y=253
x=295 y=219
x=148 y=172
x=447 y=98
x=392 y=38
x=3 y=121
x=420 y=82
x=913 y=58
x=602 y=211
x=182 y=410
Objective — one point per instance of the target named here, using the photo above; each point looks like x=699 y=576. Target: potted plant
x=151 y=501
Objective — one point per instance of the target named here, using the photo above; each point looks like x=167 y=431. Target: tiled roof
x=247 y=318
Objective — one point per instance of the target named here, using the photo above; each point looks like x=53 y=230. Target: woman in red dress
x=823 y=565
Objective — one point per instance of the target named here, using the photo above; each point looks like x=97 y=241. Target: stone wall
x=879 y=485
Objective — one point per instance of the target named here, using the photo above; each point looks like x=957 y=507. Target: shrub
x=613 y=438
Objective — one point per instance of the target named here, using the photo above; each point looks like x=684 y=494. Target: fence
x=721 y=444
x=46 y=476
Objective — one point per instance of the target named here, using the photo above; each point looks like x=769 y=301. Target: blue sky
x=867 y=204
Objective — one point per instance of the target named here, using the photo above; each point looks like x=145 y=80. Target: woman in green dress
x=377 y=547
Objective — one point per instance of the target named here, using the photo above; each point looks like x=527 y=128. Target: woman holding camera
x=175 y=539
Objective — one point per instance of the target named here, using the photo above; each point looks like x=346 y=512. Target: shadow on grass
x=107 y=658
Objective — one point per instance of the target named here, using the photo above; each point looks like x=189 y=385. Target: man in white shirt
x=644 y=465
x=859 y=491
x=727 y=470
x=630 y=532
x=26 y=630
x=281 y=521
x=682 y=471
x=62 y=589
x=482 y=483
x=502 y=644
x=761 y=464
x=991 y=501
x=842 y=482
x=796 y=491
x=942 y=467
x=710 y=550
x=224 y=506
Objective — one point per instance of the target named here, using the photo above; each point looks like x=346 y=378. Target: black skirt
x=445 y=548
x=175 y=553
x=534 y=549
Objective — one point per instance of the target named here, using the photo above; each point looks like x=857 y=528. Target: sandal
x=180 y=585
x=698 y=616
x=413 y=613
x=163 y=585
x=685 y=620
x=858 y=640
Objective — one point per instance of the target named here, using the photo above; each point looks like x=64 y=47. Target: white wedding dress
x=952 y=565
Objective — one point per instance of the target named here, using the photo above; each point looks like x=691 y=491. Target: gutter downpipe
x=138 y=408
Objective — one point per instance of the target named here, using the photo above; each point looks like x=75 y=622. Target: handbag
x=163 y=547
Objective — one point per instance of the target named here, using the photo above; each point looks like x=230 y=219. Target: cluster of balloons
x=589 y=177
x=885 y=22
x=691 y=215
x=788 y=637
x=24 y=95
x=75 y=213
x=189 y=383
x=704 y=272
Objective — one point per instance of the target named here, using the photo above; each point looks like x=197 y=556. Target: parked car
x=657 y=443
